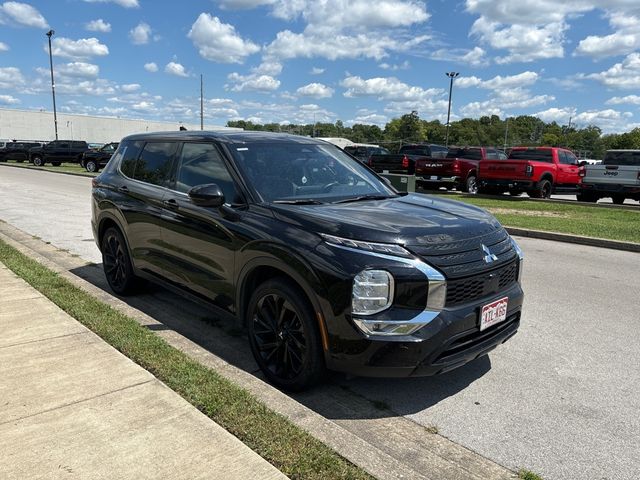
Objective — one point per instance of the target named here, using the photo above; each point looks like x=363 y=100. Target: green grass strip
x=525 y=474
x=64 y=168
x=589 y=221
x=292 y=450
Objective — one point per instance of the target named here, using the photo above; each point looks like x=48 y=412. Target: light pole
x=53 y=85
x=451 y=75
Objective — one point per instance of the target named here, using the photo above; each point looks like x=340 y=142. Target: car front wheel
x=91 y=166
x=284 y=336
x=38 y=161
x=117 y=263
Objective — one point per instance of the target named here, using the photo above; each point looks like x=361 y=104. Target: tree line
x=525 y=130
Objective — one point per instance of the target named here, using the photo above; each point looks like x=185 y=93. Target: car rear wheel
x=38 y=161
x=117 y=263
x=472 y=185
x=91 y=166
x=542 y=190
x=284 y=336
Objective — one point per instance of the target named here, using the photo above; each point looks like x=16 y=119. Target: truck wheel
x=586 y=197
x=617 y=199
x=91 y=166
x=38 y=161
x=472 y=185
x=543 y=190
x=284 y=336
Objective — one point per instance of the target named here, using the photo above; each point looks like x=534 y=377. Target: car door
x=567 y=168
x=146 y=169
x=200 y=241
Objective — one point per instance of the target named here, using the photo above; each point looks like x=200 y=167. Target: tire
x=117 y=263
x=38 y=161
x=56 y=164
x=542 y=190
x=471 y=185
x=283 y=335
x=586 y=197
x=91 y=166
x=617 y=199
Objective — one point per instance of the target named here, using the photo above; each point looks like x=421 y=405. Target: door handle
x=171 y=203
x=123 y=189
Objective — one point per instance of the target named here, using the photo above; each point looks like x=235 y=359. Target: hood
x=412 y=220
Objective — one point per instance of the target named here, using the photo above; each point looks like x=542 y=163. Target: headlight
x=372 y=292
x=518 y=250
x=383 y=248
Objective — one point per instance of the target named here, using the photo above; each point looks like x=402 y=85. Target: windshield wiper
x=365 y=197
x=299 y=201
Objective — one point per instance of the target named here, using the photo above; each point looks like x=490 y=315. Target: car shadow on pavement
x=340 y=397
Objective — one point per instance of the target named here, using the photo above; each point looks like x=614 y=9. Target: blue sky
x=359 y=61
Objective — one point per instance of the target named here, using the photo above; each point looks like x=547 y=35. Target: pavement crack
x=43 y=339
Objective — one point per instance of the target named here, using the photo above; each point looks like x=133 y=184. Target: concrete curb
x=86 y=175
x=447 y=460
x=563 y=237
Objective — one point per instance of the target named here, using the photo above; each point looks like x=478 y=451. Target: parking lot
x=559 y=398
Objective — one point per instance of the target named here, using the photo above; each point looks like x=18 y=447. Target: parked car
x=404 y=162
x=617 y=177
x=57 y=152
x=95 y=159
x=18 y=151
x=324 y=263
x=459 y=169
x=539 y=171
x=363 y=151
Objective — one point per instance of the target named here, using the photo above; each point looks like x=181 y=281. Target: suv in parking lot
x=57 y=152
x=95 y=159
x=324 y=263
x=18 y=151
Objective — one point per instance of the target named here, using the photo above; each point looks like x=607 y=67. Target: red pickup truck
x=458 y=170
x=539 y=171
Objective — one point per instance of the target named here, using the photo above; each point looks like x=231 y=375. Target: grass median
x=73 y=168
x=589 y=221
x=289 y=448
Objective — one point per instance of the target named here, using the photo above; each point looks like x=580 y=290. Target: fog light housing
x=372 y=292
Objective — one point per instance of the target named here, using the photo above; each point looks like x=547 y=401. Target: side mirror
x=208 y=195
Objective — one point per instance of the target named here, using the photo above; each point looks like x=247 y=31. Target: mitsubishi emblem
x=488 y=256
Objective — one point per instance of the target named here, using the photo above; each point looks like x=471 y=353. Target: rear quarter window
x=127 y=156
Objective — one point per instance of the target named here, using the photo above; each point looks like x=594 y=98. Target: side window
x=62 y=145
x=128 y=152
x=201 y=163
x=492 y=155
x=502 y=156
x=154 y=163
x=562 y=157
x=573 y=160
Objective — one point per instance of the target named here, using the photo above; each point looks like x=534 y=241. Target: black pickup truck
x=404 y=162
x=18 y=151
x=57 y=152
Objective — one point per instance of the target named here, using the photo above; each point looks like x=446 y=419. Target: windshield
x=290 y=171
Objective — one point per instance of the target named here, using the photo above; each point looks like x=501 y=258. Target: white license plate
x=493 y=313
x=434 y=177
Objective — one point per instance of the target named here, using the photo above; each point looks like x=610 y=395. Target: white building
x=38 y=125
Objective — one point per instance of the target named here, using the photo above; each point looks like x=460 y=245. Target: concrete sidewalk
x=72 y=406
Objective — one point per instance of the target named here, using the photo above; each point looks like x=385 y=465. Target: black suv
x=324 y=263
x=18 y=151
x=57 y=152
x=94 y=160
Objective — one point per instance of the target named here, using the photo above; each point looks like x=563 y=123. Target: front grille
x=470 y=288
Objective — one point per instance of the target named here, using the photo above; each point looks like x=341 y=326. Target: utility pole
x=506 y=134
x=49 y=34
x=201 y=104
x=451 y=75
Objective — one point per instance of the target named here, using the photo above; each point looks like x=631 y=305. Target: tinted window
x=154 y=163
x=128 y=152
x=532 y=154
x=467 y=153
x=78 y=144
x=61 y=145
x=416 y=150
x=492 y=155
x=439 y=152
x=629 y=157
x=502 y=156
x=201 y=163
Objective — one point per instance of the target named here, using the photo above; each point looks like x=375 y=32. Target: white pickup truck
x=617 y=177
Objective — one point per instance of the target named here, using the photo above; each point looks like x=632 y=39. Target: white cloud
x=608 y=120
x=466 y=82
x=386 y=88
x=151 y=67
x=528 y=11
x=122 y=3
x=140 y=34
x=624 y=40
x=82 y=48
x=174 y=68
x=315 y=90
x=403 y=66
x=317 y=71
x=4 y=47
x=629 y=99
x=370 y=119
x=219 y=42
x=78 y=69
x=621 y=75
x=268 y=68
x=511 y=81
x=11 y=77
x=98 y=25
x=243 y=4
x=8 y=100
x=21 y=14
x=254 y=82
x=130 y=87
x=476 y=57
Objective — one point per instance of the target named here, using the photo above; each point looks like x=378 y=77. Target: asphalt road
x=561 y=398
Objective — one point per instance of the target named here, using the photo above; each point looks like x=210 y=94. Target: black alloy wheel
x=116 y=262
x=283 y=336
x=91 y=166
x=472 y=185
x=38 y=161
